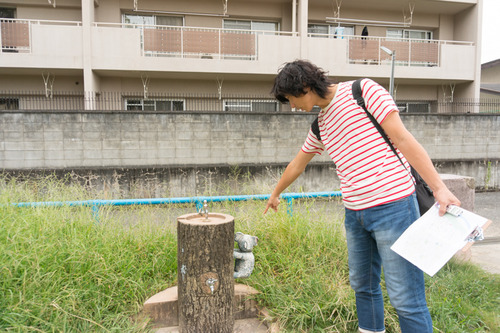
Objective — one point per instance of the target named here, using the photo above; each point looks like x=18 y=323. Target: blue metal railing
x=95 y=204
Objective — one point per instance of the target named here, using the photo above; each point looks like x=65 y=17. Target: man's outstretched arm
x=292 y=172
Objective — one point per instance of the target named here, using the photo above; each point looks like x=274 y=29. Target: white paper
x=432 y=240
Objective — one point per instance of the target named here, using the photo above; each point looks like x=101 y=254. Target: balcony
x=15 y=36
x=123 y=48
x=41 y=44
x=174 y=49
x=199 y=43
x=410 y=52
x=356 y=56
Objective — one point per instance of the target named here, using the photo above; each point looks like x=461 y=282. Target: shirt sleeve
x=312 y=145
x=378 y=100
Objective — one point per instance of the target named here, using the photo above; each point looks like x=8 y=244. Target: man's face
x=303 y=102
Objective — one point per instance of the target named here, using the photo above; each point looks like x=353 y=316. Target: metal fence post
x=95 y=212
x=290 y=206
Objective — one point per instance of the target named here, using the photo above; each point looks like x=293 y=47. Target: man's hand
x=273 y=203
x=445 y=198
x=292 y=171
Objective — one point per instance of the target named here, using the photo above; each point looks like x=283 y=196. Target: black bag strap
x=356 y=94
x=315 y=128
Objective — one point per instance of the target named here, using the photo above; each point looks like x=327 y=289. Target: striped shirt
x=370 y=173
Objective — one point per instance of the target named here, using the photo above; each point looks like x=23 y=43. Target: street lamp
x=393 y=55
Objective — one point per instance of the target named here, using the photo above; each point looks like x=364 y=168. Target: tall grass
x=62 y=271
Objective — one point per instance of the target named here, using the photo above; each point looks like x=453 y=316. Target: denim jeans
x=370 y=234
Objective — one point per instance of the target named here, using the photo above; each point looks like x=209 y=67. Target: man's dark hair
x=294 y=77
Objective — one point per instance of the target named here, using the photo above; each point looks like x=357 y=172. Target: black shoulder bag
x=425 y=197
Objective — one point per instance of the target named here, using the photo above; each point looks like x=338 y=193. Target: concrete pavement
x=486 y=253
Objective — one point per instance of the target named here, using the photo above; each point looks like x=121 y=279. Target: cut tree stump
x=205 y=267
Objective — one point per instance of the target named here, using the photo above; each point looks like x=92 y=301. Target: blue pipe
x=162 y=201
x=95 y=204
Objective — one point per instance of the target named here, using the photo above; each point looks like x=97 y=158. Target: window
x=409 y=34
x=154 y=105
x=153 y=20
x=417 y=107
x=322 y=29
x=139 y=19
x=251 y=25
x=251 y=105
x=7 y=12
x=9 y=103
x=331 y=31
x=177 y=21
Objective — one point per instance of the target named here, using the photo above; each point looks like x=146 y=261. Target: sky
x=490 y=49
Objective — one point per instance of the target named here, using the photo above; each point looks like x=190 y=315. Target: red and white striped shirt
x=370 y=174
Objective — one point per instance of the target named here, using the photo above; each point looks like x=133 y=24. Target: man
x=377 y=190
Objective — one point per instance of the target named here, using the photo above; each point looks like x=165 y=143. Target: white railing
x=196 y=42
x=217 y=43
x=15 y=34
x=409 y=52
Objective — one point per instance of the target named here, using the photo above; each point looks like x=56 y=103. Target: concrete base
x=462 y=187
x=162 y=309
x=251 y=325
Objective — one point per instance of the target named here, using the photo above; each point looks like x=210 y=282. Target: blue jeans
x=370 y=234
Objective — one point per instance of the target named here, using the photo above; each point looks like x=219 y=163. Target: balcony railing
x=195 y=42
x=214 y=43
x=16 y=34
x=409 y=52
x=192 y=42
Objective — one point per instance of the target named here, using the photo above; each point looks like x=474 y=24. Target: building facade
x=490 y=80
x=169 y=55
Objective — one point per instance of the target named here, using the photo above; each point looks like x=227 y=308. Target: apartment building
x=167 y=54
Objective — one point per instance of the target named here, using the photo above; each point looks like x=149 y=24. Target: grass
x=61 y=271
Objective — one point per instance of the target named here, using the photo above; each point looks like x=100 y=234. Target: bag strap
x=315 y=129
x=356 y=94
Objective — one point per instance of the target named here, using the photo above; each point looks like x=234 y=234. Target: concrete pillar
x=468 y=29
x=302 y=21
x=294 y=16
x=90 y=80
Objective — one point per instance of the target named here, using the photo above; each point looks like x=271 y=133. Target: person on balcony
x=377 y=190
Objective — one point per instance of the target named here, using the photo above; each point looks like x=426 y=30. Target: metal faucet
x=211 y=284
x=204 y=211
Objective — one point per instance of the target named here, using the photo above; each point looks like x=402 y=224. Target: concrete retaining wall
x=192 y=143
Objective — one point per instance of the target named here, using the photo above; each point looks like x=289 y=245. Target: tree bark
x=205 y=268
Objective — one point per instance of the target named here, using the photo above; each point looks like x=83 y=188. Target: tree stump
x=205 y=268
